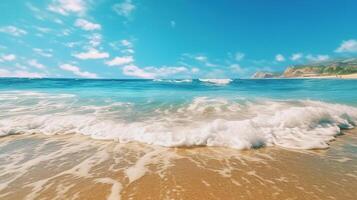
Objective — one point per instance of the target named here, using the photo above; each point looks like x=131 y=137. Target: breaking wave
x=173 y=80
x=240 y=124
x=216 y=81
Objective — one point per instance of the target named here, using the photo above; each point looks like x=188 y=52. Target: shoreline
x=346 y=76
x=64 y=166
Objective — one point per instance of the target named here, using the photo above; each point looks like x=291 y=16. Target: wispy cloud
x=348 y=46
x=165 y=71
x=65 y=7
x=118 y=61
x=239 y=56
x=43 y=29
x=43 y=52
x=77 y=71
x=20 y=74
x=296 y=56
x=35 y=63
x=317 y=58
x=125 y=8
x=204 y=60
x=95 y=39
x=8 y=57
x=13 y=30
x=91 y=54
x=154 y=72
x=125 y=45
x=237 y=69
x=87 y=25
x=132 y=70
x=279 y=58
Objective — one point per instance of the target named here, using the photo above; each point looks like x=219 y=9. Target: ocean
x=178 y=139
x=240 y=113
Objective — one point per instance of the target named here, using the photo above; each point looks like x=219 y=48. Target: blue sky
x=171 y=38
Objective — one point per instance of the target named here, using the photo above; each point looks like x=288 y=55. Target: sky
x=157 y=39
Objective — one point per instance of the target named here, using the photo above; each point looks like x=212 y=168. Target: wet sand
x=76 y=167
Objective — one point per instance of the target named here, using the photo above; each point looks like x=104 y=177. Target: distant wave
x=173 y=80
x=216 y=81
x=204 y=121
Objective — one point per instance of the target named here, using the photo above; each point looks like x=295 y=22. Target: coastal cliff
x=337 y=68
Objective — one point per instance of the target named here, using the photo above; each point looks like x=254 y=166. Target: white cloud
x=43 y=52
x=296 y=56
x=317 y=58
x=64 y=7
x=95 y=39
x=128 y=51
x=165 y=71
x=8 y=57
x=239 y=56
x=71 y=44
x=38 y=14
x=64 y=32
x=12 y=30
x=124 y=8
x=348 y=46
x=77 y=71
x=117 y=61
x=126 y=43
x=43 y=29
x=205 y=61
x=132 y=70
x=201 y=58
x=125 y=46
x=91 y=54
x=236 y=68
x=155 y=72
x=87 y=25
x=279 y=58
x=20 y=74
x=35 y=63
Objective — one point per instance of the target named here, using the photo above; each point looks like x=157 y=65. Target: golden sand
x=76 y=167
x=343 y=76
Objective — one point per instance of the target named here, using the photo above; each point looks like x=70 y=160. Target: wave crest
x=202 y=122
x=216 y=81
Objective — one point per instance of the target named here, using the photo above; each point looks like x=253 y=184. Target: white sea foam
x=203 y=122
x=173 y=80
x=216 y=81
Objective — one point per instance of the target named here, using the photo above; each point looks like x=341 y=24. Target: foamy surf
x=216 y=81
x=204 y=121
x=173 y=80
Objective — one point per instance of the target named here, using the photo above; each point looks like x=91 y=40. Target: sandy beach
x=344 y=76
x=76 y=167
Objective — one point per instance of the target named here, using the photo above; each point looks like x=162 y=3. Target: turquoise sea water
x=166 y=91
x=292 y=113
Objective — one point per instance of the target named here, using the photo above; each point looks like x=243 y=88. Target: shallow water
x=77 y=167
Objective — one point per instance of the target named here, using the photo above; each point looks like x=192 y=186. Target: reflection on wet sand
x=76 y=167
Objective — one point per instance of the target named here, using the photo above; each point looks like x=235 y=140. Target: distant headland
x=339 y=68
